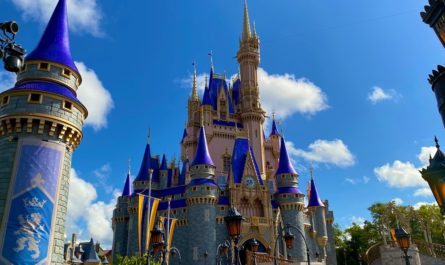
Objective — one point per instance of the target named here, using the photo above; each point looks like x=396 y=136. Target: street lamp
x=233 y=221
x=289 y=239
x=434 y=174
x=221 y=251
x=156 y=238
x=403 y=239
x=174 y=251
x=10 y=52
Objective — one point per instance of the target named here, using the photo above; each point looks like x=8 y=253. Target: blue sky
x=354 y=75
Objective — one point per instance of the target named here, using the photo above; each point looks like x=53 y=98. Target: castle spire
x=163 y=163
x=274 y=130
x=314 y=199
x=55 y=44
x=202 y=156
x=195 y=86
x=246 y=24
x=284 y=164
x=127 y=186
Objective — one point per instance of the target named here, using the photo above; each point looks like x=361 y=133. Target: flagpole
x=168 y=229
x=147 y=242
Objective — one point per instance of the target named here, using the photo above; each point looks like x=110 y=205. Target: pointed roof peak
x=127 y=186
x=202 y=156
x=163 y=163
x=274 y=130
x=314 y=199
x=284 y=163
x=55 y=44
x=246 y=24
x=437 y=142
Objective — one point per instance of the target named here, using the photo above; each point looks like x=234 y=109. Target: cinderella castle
x=227 y=161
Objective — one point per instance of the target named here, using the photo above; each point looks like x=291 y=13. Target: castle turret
x=193 y=102
x=275 y=139
x=120 y=220
x=290 y=200
x=252 y=114
x=201 y=197
x=41 y=123
x=317 y=210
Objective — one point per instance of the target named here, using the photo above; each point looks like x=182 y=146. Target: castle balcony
x=257 y=221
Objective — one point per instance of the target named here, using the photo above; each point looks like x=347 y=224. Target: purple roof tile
x=284 y=164
x=283 y=190
x=202 y=156
x=55 y=44
x=314 y=199
x=145 y=165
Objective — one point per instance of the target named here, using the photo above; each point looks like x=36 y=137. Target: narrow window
x=5 y=100
x=44 y=66
x=35 y=98
x=67 y=105
x=66 y=72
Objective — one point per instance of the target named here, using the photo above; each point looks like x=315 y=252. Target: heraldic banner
x=32 y=201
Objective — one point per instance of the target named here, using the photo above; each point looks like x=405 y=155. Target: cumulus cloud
x=406 y=174
x=283 y=94
x=353 y=181
x=7 y=80
x=333 y=152
x=378 y=94
x=420 y=204
x=95 y=97
x=84 y=15
x=423 y=192
x=87 y=216
x=358 y=220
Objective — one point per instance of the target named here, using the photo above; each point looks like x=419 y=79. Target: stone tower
x=290 y=200
x=318 y=217
x=252 y=115
x=201 y=197
x=40 y=126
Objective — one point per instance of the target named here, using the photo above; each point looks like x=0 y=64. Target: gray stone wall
x=7 y=153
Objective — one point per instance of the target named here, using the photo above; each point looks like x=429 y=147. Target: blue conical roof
x=184 y=134
x=284 y=164
x=202 y=156
x=55 y=43
x=314 y=199
x=127 y=187
x=206 y=100
x=163 y=163
x=274 y=128
x=145 y=165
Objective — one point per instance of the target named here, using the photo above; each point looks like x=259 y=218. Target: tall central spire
x=246 y=24
x=195 y=86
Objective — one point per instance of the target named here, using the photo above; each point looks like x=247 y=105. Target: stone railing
x=430 y=249
x=264 y=259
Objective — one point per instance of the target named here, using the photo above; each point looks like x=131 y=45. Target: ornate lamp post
x=233 y=221
x=156 y=237
x=403 y=239
x=11 y=52
x=434 y=174
x=221 y=251
x=289 y=239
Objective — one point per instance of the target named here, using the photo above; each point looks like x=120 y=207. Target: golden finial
x=195 y=86
x=246 y=24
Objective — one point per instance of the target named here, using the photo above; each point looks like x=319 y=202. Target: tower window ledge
x=35 y=98
x=5 y=101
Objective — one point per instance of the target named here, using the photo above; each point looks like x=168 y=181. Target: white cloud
x=405 y=174
x=423 y=192
x=283 y=94
x=7 y=80
x=95 y=97
x=286 y=95
x=333 y=152
x=102 y=174
x=420 y=204
x=353 y=181
x=425 y=153
x=87 y=216
x=397 y=201
x=378 y=94
x=399 y=174
x=83 y=15
x=360 y=221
